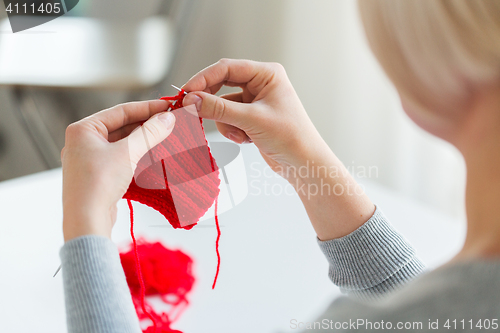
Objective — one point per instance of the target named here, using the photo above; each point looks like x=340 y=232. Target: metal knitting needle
x=57 y=270
x=179 y=89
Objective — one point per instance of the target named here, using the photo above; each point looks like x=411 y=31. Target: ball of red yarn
x=166 y=273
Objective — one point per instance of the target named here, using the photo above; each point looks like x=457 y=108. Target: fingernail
x=167 y=118
x=233 y=137
x=193 y=99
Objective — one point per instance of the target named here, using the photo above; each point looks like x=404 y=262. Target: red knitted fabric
x=178 y=177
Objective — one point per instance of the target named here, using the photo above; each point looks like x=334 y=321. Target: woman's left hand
x=99 y=158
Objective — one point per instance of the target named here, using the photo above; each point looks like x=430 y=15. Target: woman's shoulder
x=468 y=291
x=473 y=281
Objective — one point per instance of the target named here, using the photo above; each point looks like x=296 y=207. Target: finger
x=255 y=74
x=233 y=133
x=151 y=133
x=214 y=89
x=123 y=132
x=235 y=97
x=241 y=97
x=124 y=114
x=220 y=109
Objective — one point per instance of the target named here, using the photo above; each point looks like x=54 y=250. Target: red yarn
x=138 y=269
x=195 y=188
x=151 y=269
x=217 y=244
x=185 y=159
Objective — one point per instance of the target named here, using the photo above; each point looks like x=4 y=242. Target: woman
x=444 y=59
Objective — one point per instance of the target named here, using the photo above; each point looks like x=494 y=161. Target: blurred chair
x=128 y=53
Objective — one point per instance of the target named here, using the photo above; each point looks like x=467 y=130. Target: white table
x=272 y=270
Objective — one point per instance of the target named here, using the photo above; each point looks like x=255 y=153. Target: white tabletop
x=271 y=270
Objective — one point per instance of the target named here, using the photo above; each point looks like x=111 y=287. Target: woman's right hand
x=267 y=111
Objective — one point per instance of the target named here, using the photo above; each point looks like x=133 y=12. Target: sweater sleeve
x=96 y=293
x=372 y=260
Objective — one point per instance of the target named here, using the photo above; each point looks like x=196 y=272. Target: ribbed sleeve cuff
x=369 y=255
x=96 y=293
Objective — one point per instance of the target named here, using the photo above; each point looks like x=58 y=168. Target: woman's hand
x=267 y=111
x=99 y=159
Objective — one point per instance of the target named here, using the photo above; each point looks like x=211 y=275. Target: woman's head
x=438 y=53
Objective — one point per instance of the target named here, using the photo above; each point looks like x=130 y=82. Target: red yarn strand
x=138 y=265
x=218 y=229
x=217 y=244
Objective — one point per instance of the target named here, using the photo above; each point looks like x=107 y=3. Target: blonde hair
x=435 y=50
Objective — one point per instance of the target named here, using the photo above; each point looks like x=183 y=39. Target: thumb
x=151 y=133
x=219 y=109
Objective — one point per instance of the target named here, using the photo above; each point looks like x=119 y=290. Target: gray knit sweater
x=374 y=266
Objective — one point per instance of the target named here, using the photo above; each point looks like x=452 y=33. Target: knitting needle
x=57 y=270
x=179 y=89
